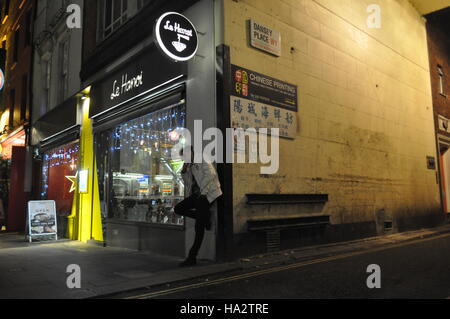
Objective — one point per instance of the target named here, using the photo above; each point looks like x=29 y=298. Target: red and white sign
x=265 y=38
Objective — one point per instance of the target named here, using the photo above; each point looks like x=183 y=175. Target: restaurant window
x=139 y=181
x=59 y=171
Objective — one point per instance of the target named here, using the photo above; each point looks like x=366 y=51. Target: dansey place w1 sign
x=176 y=36
x=264 y=38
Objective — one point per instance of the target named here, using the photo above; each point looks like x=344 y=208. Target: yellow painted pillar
x=85 y=222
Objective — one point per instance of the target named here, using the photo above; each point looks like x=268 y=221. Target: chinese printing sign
x=259 y=101
x=42 y=218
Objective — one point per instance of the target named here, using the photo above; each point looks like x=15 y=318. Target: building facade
x=438 y=29
x=365 y=118
x=351 y=98
x=56 y=111
x=138 y=182
x=16 y=31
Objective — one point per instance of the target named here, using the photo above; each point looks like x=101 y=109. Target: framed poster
x=42 y=219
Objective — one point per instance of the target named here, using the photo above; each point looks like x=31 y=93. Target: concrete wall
x=201 y=99
x=365 y=115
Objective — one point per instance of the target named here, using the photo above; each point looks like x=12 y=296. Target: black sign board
x=142 y=74
x=176 y=36
x=263 y=89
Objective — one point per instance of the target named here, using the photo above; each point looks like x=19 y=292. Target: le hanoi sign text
x=126 y=85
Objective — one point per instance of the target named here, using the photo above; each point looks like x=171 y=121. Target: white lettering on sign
x=265 y=38
x=177 y=28
x=272 y=83
x=127 y=85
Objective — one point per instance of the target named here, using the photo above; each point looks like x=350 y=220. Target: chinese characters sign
x=249 y=114
x=260 y=88
x=259 y=101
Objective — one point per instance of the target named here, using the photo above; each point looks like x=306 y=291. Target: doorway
x=444 y=171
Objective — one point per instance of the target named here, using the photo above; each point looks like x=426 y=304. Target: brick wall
x=439 y=51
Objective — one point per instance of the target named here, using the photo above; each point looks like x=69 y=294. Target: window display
x=59 y=171
x=136 y=171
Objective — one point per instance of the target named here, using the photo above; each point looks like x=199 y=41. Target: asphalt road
x=420 y=269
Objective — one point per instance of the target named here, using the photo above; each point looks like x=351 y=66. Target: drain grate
x=388 y=225
x=273 y=240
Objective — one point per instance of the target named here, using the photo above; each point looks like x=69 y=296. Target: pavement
x=38 y=270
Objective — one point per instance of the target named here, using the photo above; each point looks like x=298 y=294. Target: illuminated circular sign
x=176 y=36
x=2 y=79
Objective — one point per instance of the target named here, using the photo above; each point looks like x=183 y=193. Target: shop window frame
x=143 y=107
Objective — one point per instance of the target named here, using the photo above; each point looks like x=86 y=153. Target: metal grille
x=273 y=239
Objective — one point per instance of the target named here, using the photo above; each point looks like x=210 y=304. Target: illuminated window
x=59 y=170
x=139 y=181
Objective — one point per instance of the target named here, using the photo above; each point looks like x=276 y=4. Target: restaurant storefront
x=105 y=155
x=135 y=110
x=139 y=183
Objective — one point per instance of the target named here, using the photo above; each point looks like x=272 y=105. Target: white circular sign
x=176 y=36
x=2 y=79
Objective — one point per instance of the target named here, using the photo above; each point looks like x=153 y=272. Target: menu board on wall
x=42 y=219
x=258 y=101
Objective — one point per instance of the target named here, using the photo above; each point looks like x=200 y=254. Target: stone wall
x=365 y=110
